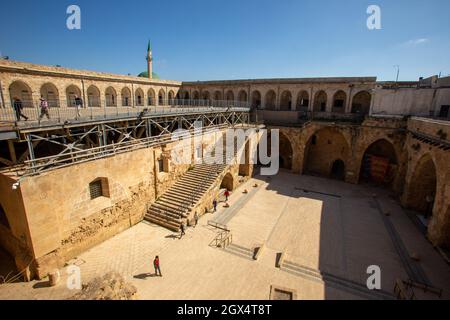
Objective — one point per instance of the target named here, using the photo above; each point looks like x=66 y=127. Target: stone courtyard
x=329 y=232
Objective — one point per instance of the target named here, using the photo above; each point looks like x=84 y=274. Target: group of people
x=44 y=108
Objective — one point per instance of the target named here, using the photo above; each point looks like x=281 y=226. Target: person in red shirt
x=227 y=194
x=156 y=265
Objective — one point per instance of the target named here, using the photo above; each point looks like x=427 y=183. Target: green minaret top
x=149 y=47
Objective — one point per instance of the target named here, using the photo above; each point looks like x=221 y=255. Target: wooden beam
x=12 y=151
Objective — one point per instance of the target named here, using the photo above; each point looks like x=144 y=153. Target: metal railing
x=63 y=112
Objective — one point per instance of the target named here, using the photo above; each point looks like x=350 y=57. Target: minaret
x=149 y=60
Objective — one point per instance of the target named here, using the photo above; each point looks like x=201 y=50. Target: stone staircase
x=240 y=251
x=176 y=203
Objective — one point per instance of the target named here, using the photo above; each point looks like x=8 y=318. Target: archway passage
x=256 y=99
x=361 y=103
x=338 y=170
x=271 y=98
x=19 y=90
x=227 y=182
x=320 y=101
x=72 y=92
x=286 y=101
x=421 y=190
x=323 y=148
x=93 y=96
x=286 y=152
x=379 y=164
x=111 y=97
x=50 y=93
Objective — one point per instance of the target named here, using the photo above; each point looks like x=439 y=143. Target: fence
x=31 y=112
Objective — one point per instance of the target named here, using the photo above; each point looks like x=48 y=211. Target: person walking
x=156 y=266
x=18 y=107
x=226 y=194
x=78 y=106
x=215 y=205
x=195 y=219
x=44 y=108
x=182 y=230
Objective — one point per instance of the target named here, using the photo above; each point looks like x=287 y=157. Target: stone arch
x=302 y=100
x=195 y=95
x=286 y=152
x=322 y=149
x=339 y=102
x=227 y=182
x=421 y=189
x=270 y=100
x=171 y=97
x=230 y=95
x=161 y=97
x=93 y=96
x=361 y=102
x=50 y=93
x=111 y=97
x=21 y=91
x=217 y=95
x=379 y=163
x=126 y=97
x=72 y=92
x=256 y=99
x=286 y=100
x=3 y=218
x=205 y=95
x=320 y=101
x=186 y=95
x=151 y=97
x=242 y=96
x=139 y=97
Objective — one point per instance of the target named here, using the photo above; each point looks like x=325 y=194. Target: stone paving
x=322 y=225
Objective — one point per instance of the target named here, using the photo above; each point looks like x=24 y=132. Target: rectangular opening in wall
x=95 y=189
x=160 y=165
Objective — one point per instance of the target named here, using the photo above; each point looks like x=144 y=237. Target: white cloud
x=415 y=42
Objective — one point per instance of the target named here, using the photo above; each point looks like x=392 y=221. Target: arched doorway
x=323 y=148
x=50 y=93
x=227 y=182
x=256 y=99
x=206 y=95
x=139 y=97
x=111 y=97
x=126 y=97
x=161 y=97
x=338 y=170
x=19 y=90
x=151 y=97
x=217 y=95
x=195 y=96
x=242 y=96
x=361 y=103
x=379 y=163
x=171 y=97
x=286 y=152
x=339 y=100
x=421 y=190
x=93 y=96
x=320 y=101
x=270 y=100
x=72 y=92
x=230 y=95
x=302 y=100
x=286 y=101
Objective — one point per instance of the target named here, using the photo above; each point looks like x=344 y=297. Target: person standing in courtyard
x=182 y=231
x=226 y=194
x=18 y=107
x=78 y=106
x=215 y=205
x=156 y=265
x=44 y=108
x=195 y=219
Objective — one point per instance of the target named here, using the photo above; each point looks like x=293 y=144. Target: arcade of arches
x=381 y=156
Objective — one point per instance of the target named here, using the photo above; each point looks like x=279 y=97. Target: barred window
x=95 y=189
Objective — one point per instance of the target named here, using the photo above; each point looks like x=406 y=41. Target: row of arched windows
x=19 y=90
x=360 y=102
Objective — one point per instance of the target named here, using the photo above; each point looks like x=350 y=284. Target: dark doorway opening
x=338 y=170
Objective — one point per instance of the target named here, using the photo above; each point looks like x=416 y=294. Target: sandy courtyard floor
x=329 y=233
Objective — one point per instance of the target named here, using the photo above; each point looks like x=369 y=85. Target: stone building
x=69 y=183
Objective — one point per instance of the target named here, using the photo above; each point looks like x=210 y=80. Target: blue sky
x=233 y=39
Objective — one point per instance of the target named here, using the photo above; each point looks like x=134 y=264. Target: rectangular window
x=95 y=189
x=160 y=165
